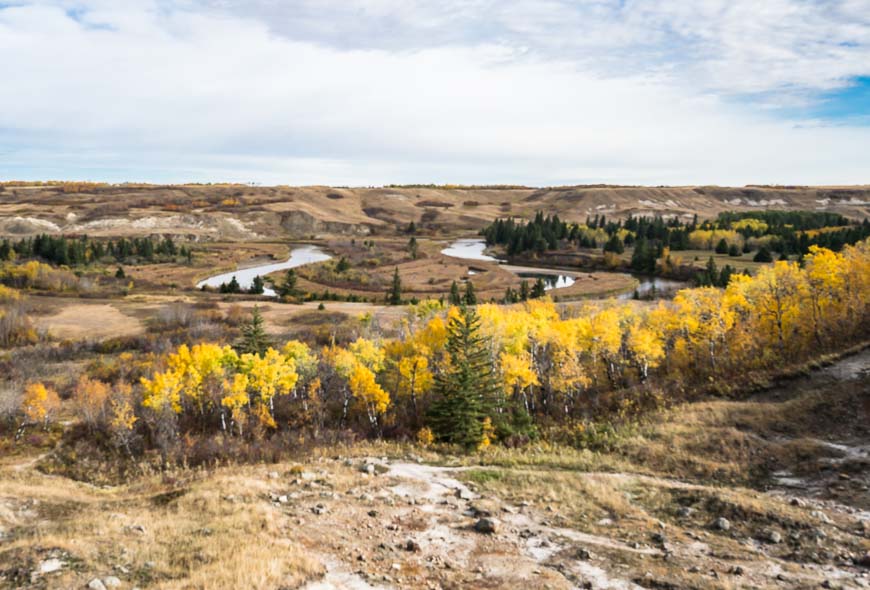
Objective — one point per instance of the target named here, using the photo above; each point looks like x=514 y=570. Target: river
x=245 y=276
x=474 y=248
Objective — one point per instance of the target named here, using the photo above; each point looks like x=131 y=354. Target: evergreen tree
x=412 y=247
x=539 y=289
x=467 y=389
x=455 y=298
x=120 y=274
x=233 y=286
x=763 y=255
x=524 y=290
x=257 y=286
x=288 y=289
x=470 y=297
x=722 y=247
x=254 y=339
x=342 y=265
x=394 y=296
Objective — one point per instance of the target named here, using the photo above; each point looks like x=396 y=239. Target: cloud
x=381 y=91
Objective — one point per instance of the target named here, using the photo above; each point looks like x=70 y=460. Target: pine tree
x=289 y=287
x=257 y=286
x=412 y=247
x=539 y=289
x=455 y=298
x=394 y=296
x=254 y=339
x=470 y=298
x=467 y=388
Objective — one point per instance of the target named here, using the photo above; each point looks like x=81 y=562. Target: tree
x=40 y=403
x=90 y=397
x=288 y=288
x=722 y=246
x=539 y=289
x=342 y=265
x=257 y=286
x=467 y=386
x=394 y=295
x=763 y=255
x=735 y=251
x=615 y=245
x=412 y=247
x=254 y=339
x=455 y=298
x=120 y=274
x=470 y=298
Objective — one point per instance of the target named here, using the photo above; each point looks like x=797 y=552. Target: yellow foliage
x=40 y=402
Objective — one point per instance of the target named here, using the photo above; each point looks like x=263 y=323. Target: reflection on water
x=654 y=287
x=245 y=276
x=551 y=281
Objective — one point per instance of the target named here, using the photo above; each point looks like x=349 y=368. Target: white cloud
x=372 y=92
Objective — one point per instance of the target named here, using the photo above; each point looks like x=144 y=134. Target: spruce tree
x=254 y=339
x=394 y=296
x=455 y=298
x=467 y=388
x=257 y=286
x=470 y=297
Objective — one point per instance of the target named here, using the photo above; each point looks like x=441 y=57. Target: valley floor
x=769 y=492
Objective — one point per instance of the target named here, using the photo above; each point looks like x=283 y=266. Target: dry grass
x=202 y=531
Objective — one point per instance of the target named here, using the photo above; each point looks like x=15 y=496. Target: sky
x=372 y=92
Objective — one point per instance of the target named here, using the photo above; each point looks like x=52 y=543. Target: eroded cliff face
x=300 y=224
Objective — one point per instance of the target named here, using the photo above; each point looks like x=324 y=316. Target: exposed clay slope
x=243 y=213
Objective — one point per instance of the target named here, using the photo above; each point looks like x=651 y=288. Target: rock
x=136 y=528
x=373 y=513
x=864 y=560
x=483 y=508
x=319 y=509
x=685 y=511
x=797 y=502
x=736 y=571
x=722 y=524
x=694 y=569
x=50 y=565
x=583 y=554
x=111 y=582
x=412 y=545
x=487 y=526
x=771 y=536
x=282 y=499
x=605 y=522
x=96 y=584
x=368 y=468
x=658 y=538
x=273 y=475
x=464 y=494
x=819 y=515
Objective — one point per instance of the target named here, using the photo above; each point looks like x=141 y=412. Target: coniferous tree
x=257 y=286
x=470 y=297
x=394 y=296
x=467 y=389
x=254 y=338
x=455 y=297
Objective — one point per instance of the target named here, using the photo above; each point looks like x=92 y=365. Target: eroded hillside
x=238 y=212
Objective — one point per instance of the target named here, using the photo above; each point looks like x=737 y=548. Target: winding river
x=473 y=249
x=245 y=276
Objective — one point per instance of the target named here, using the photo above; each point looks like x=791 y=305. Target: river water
x=473 y=249
x=245 y=276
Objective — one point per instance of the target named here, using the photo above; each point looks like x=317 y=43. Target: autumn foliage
x=550 y=366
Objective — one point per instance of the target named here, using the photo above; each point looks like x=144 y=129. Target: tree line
x=77 y=251
x=734 y=233
x=477 y=375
